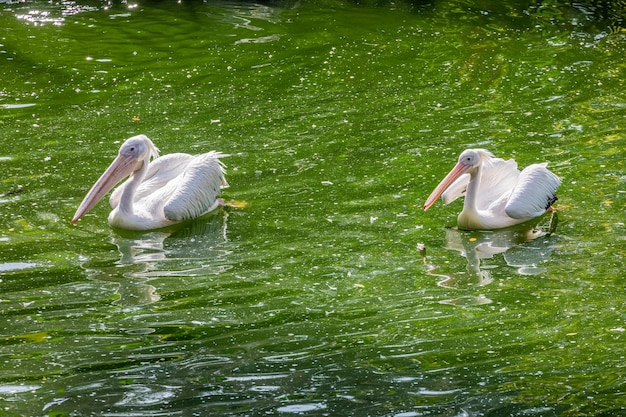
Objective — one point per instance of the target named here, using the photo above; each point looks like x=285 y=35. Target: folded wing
x=197 y=189
x=534 y=192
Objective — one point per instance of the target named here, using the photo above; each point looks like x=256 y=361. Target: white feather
x=198 y=188
x=533 y=193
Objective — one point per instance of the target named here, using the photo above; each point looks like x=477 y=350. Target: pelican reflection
x=523 y=247
x=187 y=249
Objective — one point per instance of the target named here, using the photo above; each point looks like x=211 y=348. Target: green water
x=313 y=299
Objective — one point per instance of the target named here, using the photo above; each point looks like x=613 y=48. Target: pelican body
x=497 y=194
x=158 y=193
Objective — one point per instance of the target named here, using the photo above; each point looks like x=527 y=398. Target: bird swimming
x=497 y=194
x=160 y=191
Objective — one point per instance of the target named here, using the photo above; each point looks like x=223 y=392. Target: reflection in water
x=523 y=247
x=180 y=250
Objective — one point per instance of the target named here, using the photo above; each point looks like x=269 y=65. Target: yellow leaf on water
x=24 y=224
x=236 y=204
x=33 y=337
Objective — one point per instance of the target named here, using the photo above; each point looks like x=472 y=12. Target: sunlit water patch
x=15 y=266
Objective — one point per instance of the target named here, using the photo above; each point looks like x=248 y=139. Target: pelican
x=497 y=194
x=166 y=191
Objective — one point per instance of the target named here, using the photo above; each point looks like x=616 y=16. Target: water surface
x=313 y=299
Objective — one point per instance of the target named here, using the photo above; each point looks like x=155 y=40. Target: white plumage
x=168 y=190
x=496 y=193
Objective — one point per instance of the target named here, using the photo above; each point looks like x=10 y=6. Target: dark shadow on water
x=524 y=247
x=186 y=249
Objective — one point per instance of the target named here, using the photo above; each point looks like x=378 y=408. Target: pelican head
x=468 y=163
x=134 y=156
x=138 y=148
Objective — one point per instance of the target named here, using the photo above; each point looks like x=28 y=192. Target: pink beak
x=120 y=168
x=458 y=170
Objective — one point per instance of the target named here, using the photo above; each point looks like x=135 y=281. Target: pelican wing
x=498 y=177
x=533 y=193
x=160 y=172
x=197 y=189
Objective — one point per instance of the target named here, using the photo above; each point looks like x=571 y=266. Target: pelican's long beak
x=119 y=169
x=456 y=172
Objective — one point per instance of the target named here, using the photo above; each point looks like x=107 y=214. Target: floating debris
x=18 y=190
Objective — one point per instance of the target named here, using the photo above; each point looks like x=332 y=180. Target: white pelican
x=496 y=193
x=168 y=190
